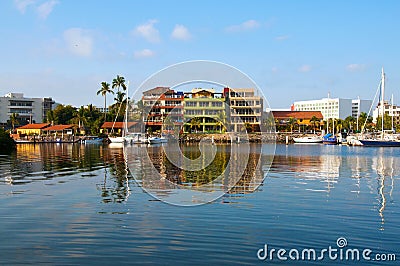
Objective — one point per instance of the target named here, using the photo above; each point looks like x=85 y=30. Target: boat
x=93 y=140
x=330 y=139
x=313 y=139
x=155 y=140
x=384 y=140
x=135 y=138
x=163 y=139
x=116 y=139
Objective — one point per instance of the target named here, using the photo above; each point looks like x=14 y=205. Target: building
x=160 y=103
x=303 y=119
x=360 y=106
x=393 y=111
x=29 y=110
x=244 y=107
x=203 y=111
x=32 y=129
x=117 y=127
x=336 y=108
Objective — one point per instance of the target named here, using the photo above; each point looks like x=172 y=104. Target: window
x=204 y=104
x=191 y=104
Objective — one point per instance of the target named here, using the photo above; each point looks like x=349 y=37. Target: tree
x=195 y=123
x=314 y=120
x=291 y=122
x=387 y=122
x=50 y=117
x=105 y=88
x=119 y=82
x=14 y=120
x=269 y=122
x=63 y=114
x=7 y=144
x=221 y=121
x=79 y=117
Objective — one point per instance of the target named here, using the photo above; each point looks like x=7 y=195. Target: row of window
x=203 y=104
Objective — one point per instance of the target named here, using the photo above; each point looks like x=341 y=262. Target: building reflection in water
x=51 y=162
x=166 y=169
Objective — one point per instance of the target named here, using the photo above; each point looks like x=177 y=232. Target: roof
x=34 y=126
x=117 y=124
x=156 y=91
x=297 y=114
x=58 y=127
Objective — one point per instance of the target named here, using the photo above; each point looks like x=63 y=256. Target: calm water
x=75 y=204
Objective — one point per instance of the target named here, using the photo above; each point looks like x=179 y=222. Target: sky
x=293 y=50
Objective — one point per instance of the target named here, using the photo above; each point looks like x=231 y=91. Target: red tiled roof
x=297 y=114
x=34 y=126
x=156 y=91
x=117 y=124
x=58 y=127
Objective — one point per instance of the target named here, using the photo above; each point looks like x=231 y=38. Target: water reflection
x=59 y=163
x=377 y=169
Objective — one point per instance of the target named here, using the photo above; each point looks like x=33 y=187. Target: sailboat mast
x=382 y=101
x=126 y=111
x=392 y=115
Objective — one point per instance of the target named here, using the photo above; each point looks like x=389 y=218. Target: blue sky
x=293 y=50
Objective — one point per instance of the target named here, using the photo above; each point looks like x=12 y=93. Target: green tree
x=221 y=121
x=119 y=82
x=291 y=122
x=14 y=120
x=7 y=144
x=105 y=88
x=314 y=120
x=63 y=114
x=195 y=123
x=79 y=118
x=50 y=117
x=269 y=122
x=387 y=122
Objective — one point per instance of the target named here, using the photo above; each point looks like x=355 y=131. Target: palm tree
x=105 y=88
x=119 y=82
x=80 y=118
x=195 y=122
x=314 y=121
x=221 y=121
x=14 y=120
x=291 y=122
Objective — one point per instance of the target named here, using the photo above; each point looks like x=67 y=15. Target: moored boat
x=155 y=140
x=93 y=140
x=313 y=139
x=330 y=139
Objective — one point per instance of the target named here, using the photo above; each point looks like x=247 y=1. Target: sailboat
x=384 y=141
x=125 y=126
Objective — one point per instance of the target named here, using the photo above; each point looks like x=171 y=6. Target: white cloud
x=245 y=26
x=46 y=8
x=305 y=68
x=180 y=32
x=355 y=67
x=282 y=38
x=78 y=41
x=21 y=5
x=148 y=31
x=143 y=53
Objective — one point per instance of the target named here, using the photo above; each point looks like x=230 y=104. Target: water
x=74 y=204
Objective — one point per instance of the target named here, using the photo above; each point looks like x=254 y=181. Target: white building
x=32 y=110
x=391 y=110
x=336 y=108
x=360 y=106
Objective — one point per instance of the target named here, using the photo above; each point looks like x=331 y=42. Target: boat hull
x=380 y=143
x=117 y=139
x=307 y=140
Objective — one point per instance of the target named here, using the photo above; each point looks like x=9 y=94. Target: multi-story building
x=207 y=107
x=336 y=108
x=390 y=109
x=160 y=103
x=29 y=110
x=360 y=106
x=244 y=107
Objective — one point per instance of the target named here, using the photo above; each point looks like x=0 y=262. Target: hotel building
x=336 y=108
x=244 y=107
x=29 y=110
x=392 y=110
x=161 y=102
x=205 y=105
